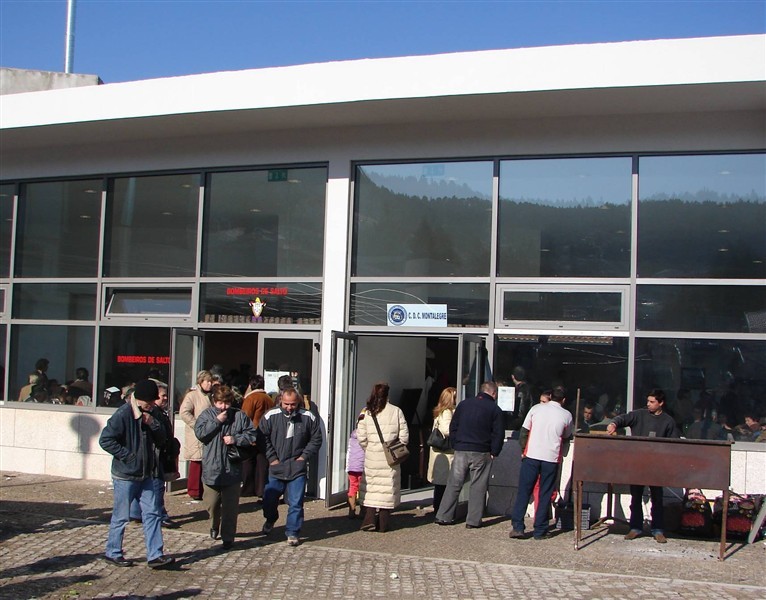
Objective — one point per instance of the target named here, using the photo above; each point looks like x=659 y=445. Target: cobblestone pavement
x=52 y=534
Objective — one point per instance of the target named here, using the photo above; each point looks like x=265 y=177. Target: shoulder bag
x=396 y=452
x=437 y=440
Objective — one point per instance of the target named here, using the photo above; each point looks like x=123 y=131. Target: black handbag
x=438 y=441
x=396 y=451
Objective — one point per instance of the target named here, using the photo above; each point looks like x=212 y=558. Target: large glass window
x=262 y=302
x=6 y=228
x=152 y=226
x=423 y=220
x=129 y=354
x=703 y=380
x=716 y=308
x=467 y=303
x=266 y=223
x=702 y=216
x=59 y=223
x=3 y=362
x=66 y=301
x=45 y=358
x=565 y=218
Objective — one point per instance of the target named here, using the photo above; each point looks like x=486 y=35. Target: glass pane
x=467 y=304
x=703 y=377
x=343 y=411
x=149 y=302
x=423 y=220
x=265 y=223
x=71 y=301
x=702 y=216
x=129 y=354
x=45 y=360
x=565 y=217
x=562 y=306
x=6 y=228
x=152 y=226
x=292 y=356
x=265 y=302
x=596 y=367
x=59 y=224
x=716 y=308
x=3 y=333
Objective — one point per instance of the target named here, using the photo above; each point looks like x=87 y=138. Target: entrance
x=417 y=369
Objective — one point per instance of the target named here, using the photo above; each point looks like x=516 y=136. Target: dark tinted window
x=423 y=220
x=67 y=301
x=702 y=216
x=6 y=228
x=262 y=302
x=565 y=218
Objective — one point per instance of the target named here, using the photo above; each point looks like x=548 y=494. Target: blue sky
x=124 y=40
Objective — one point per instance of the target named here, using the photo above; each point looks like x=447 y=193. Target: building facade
x=595 y=214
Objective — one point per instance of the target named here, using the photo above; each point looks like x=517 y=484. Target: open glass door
x=473 y=365
x=341 y=415
x=186 y=359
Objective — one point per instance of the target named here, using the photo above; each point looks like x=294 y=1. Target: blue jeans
x=135 y=505
x=531 y=469
x=124 y=493
x=637 y=509
x=294 y=491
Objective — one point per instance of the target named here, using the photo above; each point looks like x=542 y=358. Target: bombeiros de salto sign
x=416 y=315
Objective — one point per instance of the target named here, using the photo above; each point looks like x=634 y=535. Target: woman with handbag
x=227 y=434
x=383 y=423
x=440 y=459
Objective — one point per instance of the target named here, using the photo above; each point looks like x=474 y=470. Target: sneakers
x=161 y=561
x=632 y=534
x=169 y=523
x=660 y=538
x=293 y=541
x=515 y=534
x=119 y=561
x=213 y=534
x=268 y=527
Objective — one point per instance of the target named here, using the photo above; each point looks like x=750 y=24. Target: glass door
x=473 y=365
x=186 y=359
x=342 y=414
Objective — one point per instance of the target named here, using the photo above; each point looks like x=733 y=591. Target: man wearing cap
x=545 y=428
x=134 y=435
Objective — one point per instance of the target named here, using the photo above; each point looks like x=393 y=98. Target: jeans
x=135 y=505
x=637 y=509
x=478 y=465
x=294 y=491
x=531 y=469
x=146 y=493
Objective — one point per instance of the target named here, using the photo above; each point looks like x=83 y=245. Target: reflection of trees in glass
x=567 y=240
x=428 y=235
x=704 y=234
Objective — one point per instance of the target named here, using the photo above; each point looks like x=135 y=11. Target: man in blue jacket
x=291 y=435
x=135 y=435
x=477 y=431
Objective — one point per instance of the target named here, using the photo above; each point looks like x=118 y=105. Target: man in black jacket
x=134 y=435
x=291 y=435
x=477 y=431
x=651 y=421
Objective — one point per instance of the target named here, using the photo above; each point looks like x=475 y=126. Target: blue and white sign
x=416 y=315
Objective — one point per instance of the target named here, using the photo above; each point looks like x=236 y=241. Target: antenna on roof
x=69 y=57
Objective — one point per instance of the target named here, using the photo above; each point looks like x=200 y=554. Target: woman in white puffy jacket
x=381 y=486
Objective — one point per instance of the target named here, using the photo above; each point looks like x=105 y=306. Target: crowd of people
x=257 y=444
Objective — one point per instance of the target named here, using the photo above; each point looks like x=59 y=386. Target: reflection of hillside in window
x=565 y=218
x=423 y=226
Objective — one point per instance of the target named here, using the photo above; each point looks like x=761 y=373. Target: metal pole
x=70 y=15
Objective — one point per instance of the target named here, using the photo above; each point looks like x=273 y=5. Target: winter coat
x=217 y=469
x=439 y=463
x=288 y=438
x=381 y=484
x=354 y=455
x=192 y=406
x=134 y=445
x=255 y=405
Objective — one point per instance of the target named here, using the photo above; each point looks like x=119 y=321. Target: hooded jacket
x=288 y=437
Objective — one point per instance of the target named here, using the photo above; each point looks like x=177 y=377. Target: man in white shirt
x=545 y=428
